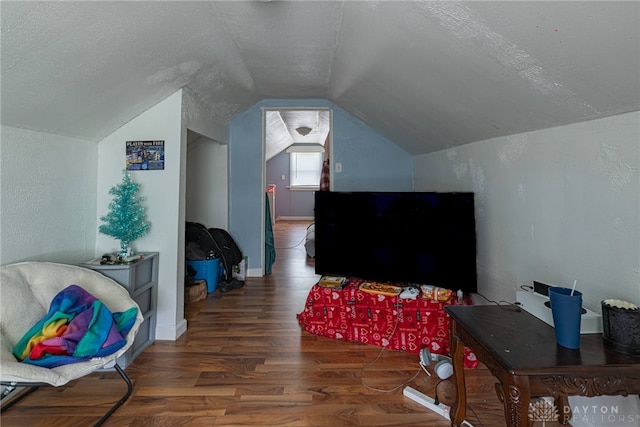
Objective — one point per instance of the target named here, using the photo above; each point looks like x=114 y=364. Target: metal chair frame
x=12 y=386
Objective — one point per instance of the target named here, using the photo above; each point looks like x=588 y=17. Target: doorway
x=291 y=134
x=207 y=187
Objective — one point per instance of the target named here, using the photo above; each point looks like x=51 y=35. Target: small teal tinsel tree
x=126 y=220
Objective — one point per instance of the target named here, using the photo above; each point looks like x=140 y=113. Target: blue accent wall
x=370 y=162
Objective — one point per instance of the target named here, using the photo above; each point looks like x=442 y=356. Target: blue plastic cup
x=567 y=314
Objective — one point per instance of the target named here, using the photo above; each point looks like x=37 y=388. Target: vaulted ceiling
x=428 y=75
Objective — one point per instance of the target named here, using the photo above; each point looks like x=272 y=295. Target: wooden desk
x=521 y=352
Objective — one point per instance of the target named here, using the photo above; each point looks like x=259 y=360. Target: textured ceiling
x=281 y=129
x=427 y=75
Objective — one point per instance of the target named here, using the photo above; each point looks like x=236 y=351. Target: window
x=305 y=169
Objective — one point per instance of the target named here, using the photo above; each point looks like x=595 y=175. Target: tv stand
x=350 y=314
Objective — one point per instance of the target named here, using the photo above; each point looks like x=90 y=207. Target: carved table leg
x=516 y=394
x=459 y=408
x=562 y=405
x=499 y=392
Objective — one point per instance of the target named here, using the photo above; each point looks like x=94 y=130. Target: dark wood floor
x=245 y=361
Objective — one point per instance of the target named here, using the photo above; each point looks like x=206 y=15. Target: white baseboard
x=171 y=332
x=295 y=218
x=254 y=272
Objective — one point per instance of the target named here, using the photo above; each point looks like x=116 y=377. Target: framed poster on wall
x=145 y=155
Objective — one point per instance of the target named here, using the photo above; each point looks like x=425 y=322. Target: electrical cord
x=475 y=415
x=436 y=401
x=294 y=246
x=300 y=242
x=364 y=383
x=500 y=303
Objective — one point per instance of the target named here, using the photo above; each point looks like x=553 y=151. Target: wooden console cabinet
x=140 y=278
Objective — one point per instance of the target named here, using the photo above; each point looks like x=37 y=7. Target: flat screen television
x=402 y=237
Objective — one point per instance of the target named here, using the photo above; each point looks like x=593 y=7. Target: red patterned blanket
x=409 y=325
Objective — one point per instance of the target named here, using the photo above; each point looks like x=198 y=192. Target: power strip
x=429 y=403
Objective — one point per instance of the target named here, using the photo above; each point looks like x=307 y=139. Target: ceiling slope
x=428 y=75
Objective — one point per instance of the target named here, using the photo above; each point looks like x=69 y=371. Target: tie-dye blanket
x=77 y=327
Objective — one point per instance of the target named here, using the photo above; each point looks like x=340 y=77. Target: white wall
x=197 y=118
x=161 y=190
x=555 y=205
x=207 y=195
x=164 y=192
x=48 y=197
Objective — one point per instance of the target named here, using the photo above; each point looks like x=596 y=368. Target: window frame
x=293 y=170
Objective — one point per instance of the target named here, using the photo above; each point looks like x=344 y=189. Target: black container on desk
x=621 y=328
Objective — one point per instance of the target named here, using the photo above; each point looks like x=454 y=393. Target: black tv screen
x=407 y=237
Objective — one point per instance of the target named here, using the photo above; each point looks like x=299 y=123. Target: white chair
x=26 y=291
